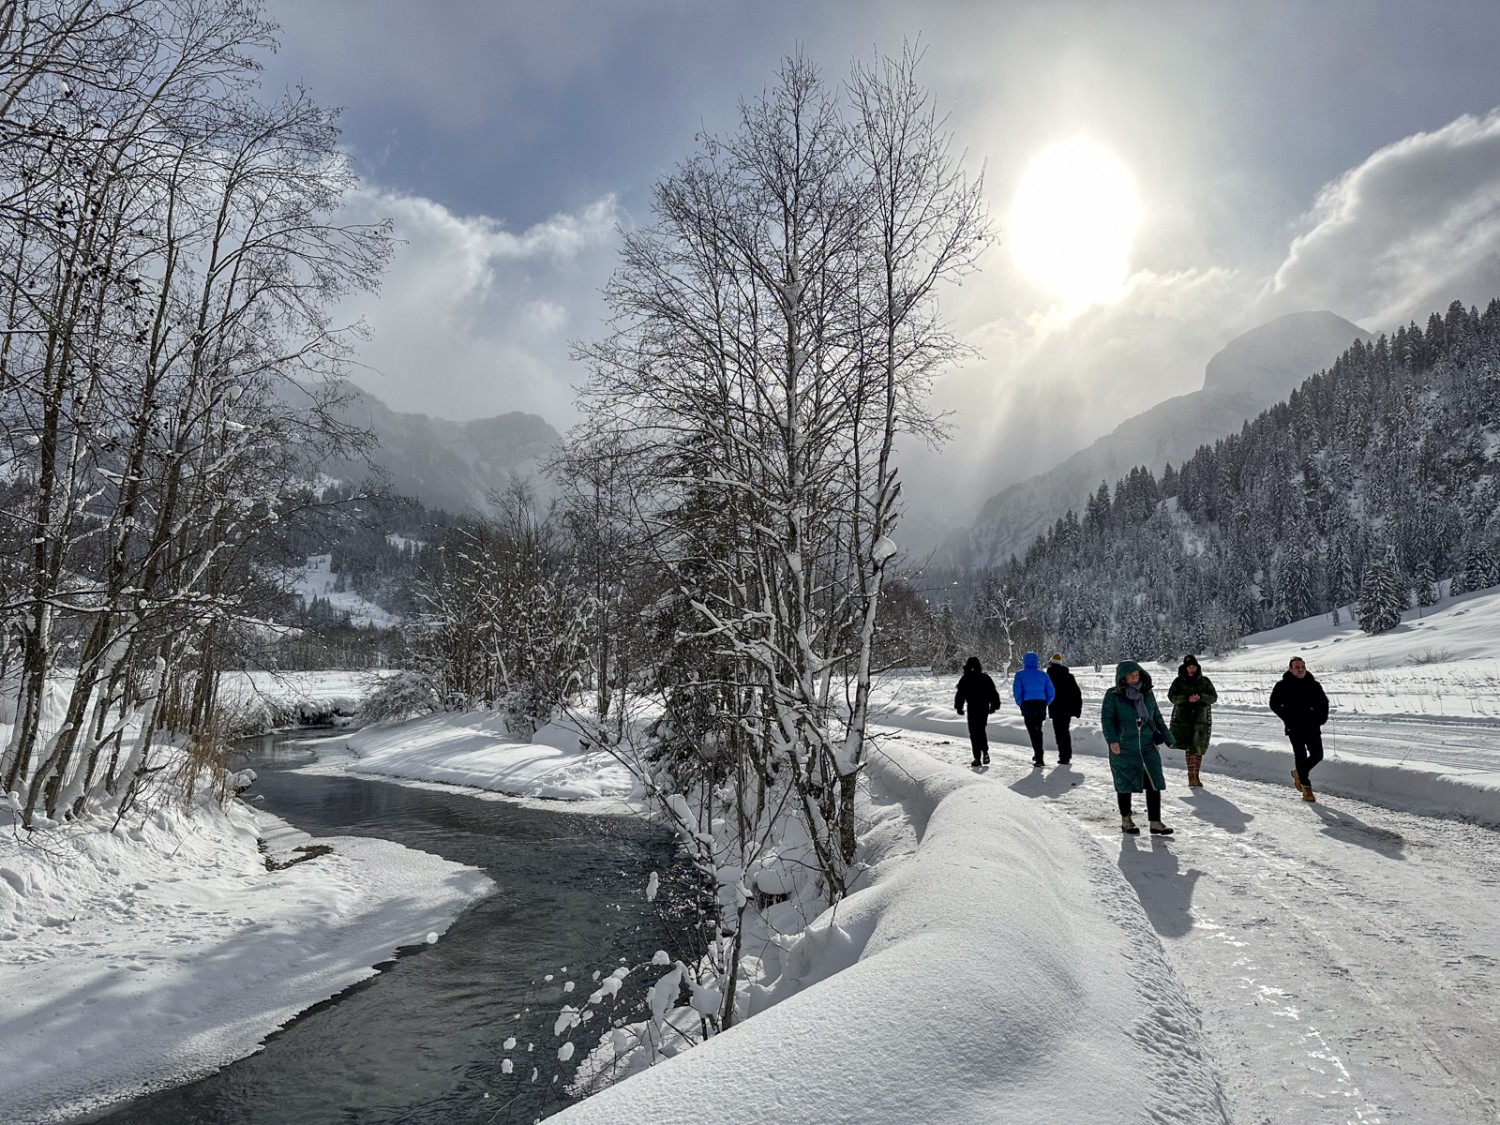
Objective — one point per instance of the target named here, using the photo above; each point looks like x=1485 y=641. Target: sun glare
x=1072 y=222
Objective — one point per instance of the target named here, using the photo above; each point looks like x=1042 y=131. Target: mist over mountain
x=1251 y=372
x=446 y=464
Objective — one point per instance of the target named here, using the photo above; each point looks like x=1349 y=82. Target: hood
x=1029 y=661
x=971 y=665
x=1124 y=668
x=1182 y=669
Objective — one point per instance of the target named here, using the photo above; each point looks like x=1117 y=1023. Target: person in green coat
x=1133 y=727
x=1192 y=696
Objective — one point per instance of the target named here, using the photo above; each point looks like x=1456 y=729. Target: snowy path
x=1445 y=741
x=1345 y=958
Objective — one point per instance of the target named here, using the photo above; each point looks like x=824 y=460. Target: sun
x=1073 y=220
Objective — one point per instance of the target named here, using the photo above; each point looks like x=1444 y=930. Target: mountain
x=1373 y=483
x=445 y=464
x=1250 y=373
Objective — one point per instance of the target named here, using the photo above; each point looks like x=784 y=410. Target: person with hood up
x=978 y=692
x=1033 y=692
x=1302 y=705
x=1133 y=727
x=1192 y=696
x=1067 y=705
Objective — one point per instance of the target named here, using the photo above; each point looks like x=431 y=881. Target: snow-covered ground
x=151 y=955
x=1414 y=713
x=148 y=953
x=266 y=700
x=1012 y=956
x=473 y=752
x=1274 y=961
x=317 y=580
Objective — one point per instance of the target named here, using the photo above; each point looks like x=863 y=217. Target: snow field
x=975 y=980
x=150 y=955
x=317 y=580
x=473 y=750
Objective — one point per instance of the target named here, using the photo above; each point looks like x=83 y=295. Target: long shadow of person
x=1342 y=826
x=1054 y=784
x=1166 y=893
x=1217 y=811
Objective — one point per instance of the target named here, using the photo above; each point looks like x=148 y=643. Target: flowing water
x=422 y=1041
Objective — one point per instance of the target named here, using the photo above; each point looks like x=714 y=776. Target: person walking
x=977 y=692
x=1066 y=705
x=1133 y=727
x=1300 y=702
x=1192 y=696
x=1034 y=693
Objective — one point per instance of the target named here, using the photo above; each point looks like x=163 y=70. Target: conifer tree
x=1381 y=597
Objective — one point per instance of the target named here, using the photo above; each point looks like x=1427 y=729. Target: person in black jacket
x=978 y=692
x=1066 y=706
x=1303 y=707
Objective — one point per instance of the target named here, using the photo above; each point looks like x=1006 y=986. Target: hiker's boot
x=1159 y=829
x=1297 y=781
x=1193 y=780
x=1307 y=793
x=1127 y=825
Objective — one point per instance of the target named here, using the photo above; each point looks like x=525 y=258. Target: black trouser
x=1153 y=803
x=1307 y=748
x=1064 y=737
x=1034 y=711
x=978 y=737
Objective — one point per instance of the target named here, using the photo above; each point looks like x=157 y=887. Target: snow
x=475 y=752
x=317 y=581
x=1414 y=713
x=1015 y=957
x=266 y=700
x=949 y=1007
x=151 y=955
x=1007 y=955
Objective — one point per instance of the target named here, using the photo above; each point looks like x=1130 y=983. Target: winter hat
x=1190 y=659
x=972 y=664
x=1056 y=658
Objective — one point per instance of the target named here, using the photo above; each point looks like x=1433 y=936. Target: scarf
x=1135 y=695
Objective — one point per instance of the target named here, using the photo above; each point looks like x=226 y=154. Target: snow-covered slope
x=317 y=580
x=1250 y=373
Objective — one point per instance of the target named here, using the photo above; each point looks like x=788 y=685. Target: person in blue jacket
x=1033 y=691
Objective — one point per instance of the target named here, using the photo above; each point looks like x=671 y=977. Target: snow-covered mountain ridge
x=1251 y=372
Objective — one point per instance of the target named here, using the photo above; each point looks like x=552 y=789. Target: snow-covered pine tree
x=1382 y=598
x=1424 y=584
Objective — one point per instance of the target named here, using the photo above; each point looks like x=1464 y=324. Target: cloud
x=473 y=319
x=1410 y=229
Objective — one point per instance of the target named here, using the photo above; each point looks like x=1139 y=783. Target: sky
x=1338 y=154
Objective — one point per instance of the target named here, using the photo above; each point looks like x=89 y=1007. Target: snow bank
x=151 y=955
x=263 y=701
x=475 y=751
x=985 y=974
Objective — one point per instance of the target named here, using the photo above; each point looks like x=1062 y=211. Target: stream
x=422 y=1041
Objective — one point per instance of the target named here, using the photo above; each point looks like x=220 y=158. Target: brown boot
x=1194 y=764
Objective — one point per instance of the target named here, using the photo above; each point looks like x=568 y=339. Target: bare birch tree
x=169 y=254
x=773 y=333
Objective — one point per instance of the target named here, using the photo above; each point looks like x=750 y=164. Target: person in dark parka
x=1133 y=727
x=978 y=693
x=1033 y=692
x=1302 y=705
x=1066 y=705
x=1192 y=696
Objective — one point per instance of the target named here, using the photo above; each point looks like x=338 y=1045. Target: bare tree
x=169 y=257
x=773 y=334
